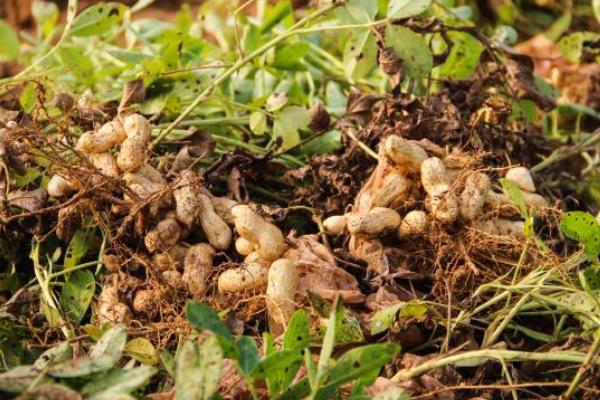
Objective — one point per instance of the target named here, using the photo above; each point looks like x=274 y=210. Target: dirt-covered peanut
x=434 y=176
x=109 y=308
x=521 y=177
x=443 y=206
x=173 y=279
x=391 y=190
x=132 y=155
x=151 y=173
x=251 y=276
x=146 y=302
x=196 y=267
x=501 y=203
x=106 y=164
x=376 y=221
x=108 y=136
x=414 y=223
x=223 y=206
x=501 y=227
x=59 y=186
x=144 y=188
x=255 y=229
x=335 y=225
x=171 y=259
x=164 y=235
x=404 y=152
x=472 y=198
x=281 y=287
x=187 y=198
x=244 y=246
x=138 y=127
x=217 y=231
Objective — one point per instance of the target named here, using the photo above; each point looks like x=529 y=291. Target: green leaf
x=54 y=355
x=358 y=11
x=406 y=8
x=118 y=382
x=360 y=54
x=28 y=97
x=584 y=228
x=18 y=379
x=359 y=361
x=289 y=57
x=275 y=363
x=77 y=293
x=104 y=355
x=98 y=19
x=168 y=362
x=258 y=122
x=288 y=123
x=9 y=45
x=571 y=46
x=349 y=330
x=142 y=350
x=248 y=355
x=411 y=48
x=297 y=334
x=78 y=247
x=297 y=391
x=203 y=317
x=590 y=278
x=515 y=195
x=198 y=370
x=275 y=15
x=335 y=317
x=324 y=144
x=463 y=58
x=382 y=320
x=30 y=175
x=50 y=391
x=46 y=15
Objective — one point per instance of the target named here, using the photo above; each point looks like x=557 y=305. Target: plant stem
x=585 y=366
x=475 y=355
x=239 y=64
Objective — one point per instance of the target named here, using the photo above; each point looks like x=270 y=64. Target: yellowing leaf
x=142 y=350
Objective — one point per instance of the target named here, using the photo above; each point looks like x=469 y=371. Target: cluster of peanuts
x=442 y=188
x=188 y=206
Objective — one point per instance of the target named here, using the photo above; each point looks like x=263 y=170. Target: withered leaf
x=32 y=200
x=133 y=92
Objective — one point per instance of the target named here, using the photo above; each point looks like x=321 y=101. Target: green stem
x=75 y=268
x=480 y=355
x=239 y=64
x=585 y=366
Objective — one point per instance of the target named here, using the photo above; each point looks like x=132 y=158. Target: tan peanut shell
x=281 y=288
x=217 y=231
x=521 y=176
x=434 y=177
x=146 y=302
x=252 y=276
x=132 y=155
x=335 y=225
x=106 y=164
x=109 y=308
x=164 y=235
x=187 y=199
x=472 y=198
x=108 y=136
x=255 y=229
x=413 y=224
x=391 y=190
x=197 y=266
x=59 y=187
x=172 y=259
x=405 y=152
x=243 y=246
x=173 y=279
x=376 y=221
x=501 y=227
x=138 y=127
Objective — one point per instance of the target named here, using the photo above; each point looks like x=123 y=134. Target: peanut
x=335 y=225
x=265 y=236
x=376 y=221
x=413 y=224
x=405 y=152
x=472 y=198
x=60 y=187
x=281 y=287
x=243 y=246
x=108 y=136
x=521 y=176
x=501 y=227
x=197 y=266
x=187 y=201
x=250 y=276
x=164 y=235
x=106 y=164
x=217 y=231
x=109 y=308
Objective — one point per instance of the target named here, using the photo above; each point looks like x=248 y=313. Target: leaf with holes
x=198 y=368
x=571 y=46
x=98 y=19
x=78 y=247
x=77 y=293
x=584 y=228
x=360 y=54
x=411 y=48
x=463 y=58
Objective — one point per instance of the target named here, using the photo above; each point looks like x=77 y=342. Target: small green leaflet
x=248 y=355
x=45 y=14
x=463 y=58
x=411 y=48
x=198 y=368
x=571 y=46
x=142 y=350
x=515 y=195
x=360 y=54
x=117 y=382
x=358 y=11
x=258 y=122
x=382 y=320
x=9 y=45
x=406 y=8
x=288 y=123
x=584 y=228
x=78 y=247
x=98 y=19
x=77 y=293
